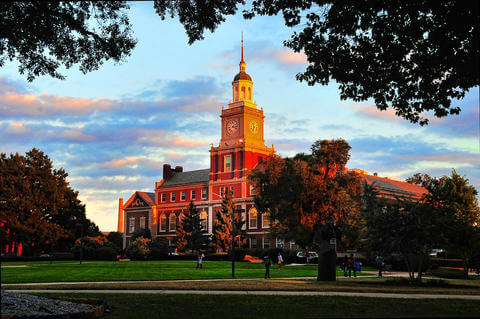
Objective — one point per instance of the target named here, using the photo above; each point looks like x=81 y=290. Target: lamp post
x=81 y=242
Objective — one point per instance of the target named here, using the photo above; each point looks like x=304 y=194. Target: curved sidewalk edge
x=258 y=293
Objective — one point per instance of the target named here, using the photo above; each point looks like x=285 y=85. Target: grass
x=231 y=306
x=65 y=271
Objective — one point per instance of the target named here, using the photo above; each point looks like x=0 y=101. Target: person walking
x=200 y=260
x=280 y=260
x=351 y=266
x=379 y=261
x=268 y=262
x=345 y=265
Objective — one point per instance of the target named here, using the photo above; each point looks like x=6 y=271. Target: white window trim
x=225 y=163
x=162 y=199
x=206 y=193
x=204 y=220
x=278 y=242
x=250 y=218
x=263 y=224
x=191 y=195
x=183 y=196
x=263 y=242
x=160 y=223
x=256 y=242
x=144 y=219
x=172 y=194
x=170 y=222
x=131 y=222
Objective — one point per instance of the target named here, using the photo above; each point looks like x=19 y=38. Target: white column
x=210 y=219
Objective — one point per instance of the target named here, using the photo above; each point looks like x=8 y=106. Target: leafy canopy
x=43 y=36
x=413 y=56
x=37 y=205
x=308 y=194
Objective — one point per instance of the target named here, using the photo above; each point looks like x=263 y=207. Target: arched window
x=173 y=222
x=163 y=223
x=252 y=217
x=250 y=94
x=243 y=93
x=265 y=220
x=203 y=219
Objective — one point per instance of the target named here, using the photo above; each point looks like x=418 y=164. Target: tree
x=228 y=230
x=141 y=232
x=116 y=238
x=45 y=35
x=411 y=229
x=307 y=197
x=158 y=248
x=456 y=201
x=139 y=248
x=413 y=56
x=190 y=233
x=37 y=206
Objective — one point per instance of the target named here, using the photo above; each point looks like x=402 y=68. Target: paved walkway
x=257 y=293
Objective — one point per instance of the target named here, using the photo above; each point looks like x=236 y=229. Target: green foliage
x=158 y=248
x=190 y=233
x=412 y=56
x=116 y=238
x=408 y=228
x=45 y=35
x=229 y=225
x=306 y=194
x=37 y=205
x=141 y=232
x=455 y=200
x=138 y=249
x=106 y=253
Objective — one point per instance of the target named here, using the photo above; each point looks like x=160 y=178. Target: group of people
x=348 y=265
x=268 y=263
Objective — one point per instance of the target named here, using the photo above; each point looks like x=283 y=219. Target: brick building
x=241 y=148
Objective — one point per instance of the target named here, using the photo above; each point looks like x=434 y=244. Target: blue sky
x=113 y=129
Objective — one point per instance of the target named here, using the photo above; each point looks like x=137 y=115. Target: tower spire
x=242 y=48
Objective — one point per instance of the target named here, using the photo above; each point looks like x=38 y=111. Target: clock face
x=232 y=127
x=254 y=127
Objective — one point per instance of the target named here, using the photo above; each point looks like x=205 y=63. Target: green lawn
x=231 y=306
x=64 y=271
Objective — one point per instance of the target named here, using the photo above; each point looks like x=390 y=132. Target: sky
x=113 y=129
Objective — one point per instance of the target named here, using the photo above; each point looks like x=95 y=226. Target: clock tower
x=242 y=144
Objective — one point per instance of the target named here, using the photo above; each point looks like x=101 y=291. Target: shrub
x=105 y=253
x=138 y=249
x=158 y=249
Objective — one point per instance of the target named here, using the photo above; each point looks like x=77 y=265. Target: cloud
x=467 y=123
x=288 y=57
x=17 y=128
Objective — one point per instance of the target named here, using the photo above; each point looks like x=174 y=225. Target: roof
x=242 y=76
x=148 y=197
x=191 y=177
x=390 y=188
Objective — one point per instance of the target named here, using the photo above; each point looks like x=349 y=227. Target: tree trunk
x=420 y=262
x=327 y=263
x=409 y=267
x=233 y=263
x=465 y=267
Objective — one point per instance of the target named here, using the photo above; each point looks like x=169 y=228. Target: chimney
x=178 y=169
x=167 y=171
x=120 y=215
